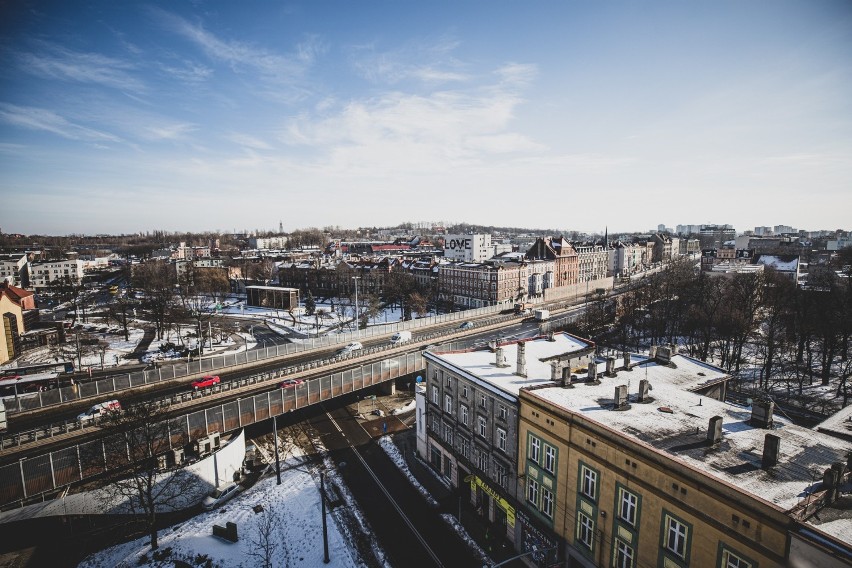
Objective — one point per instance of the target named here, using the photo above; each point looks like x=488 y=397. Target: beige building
x=649 y=467
x=13 y=302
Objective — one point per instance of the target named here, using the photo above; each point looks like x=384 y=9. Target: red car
x=205 y=382
x=290 y=383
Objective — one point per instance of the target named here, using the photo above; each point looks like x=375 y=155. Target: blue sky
x=118 y=117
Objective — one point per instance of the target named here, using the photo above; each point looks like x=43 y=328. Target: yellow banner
x=502 y=503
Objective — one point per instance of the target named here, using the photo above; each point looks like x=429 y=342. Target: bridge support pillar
x=387 y=387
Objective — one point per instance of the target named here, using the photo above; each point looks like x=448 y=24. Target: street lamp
x=357 y=314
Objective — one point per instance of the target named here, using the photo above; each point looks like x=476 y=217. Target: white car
x=220 y=496
x=98 y=411
x=350 y=347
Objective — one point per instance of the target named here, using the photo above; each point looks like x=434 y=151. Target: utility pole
x=277 y=460
x=357 y=313
x=325 y=558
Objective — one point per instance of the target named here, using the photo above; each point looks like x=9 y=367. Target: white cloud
x=168 y=131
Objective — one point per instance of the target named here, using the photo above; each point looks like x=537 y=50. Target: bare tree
x=264 y=540
x=157 y=280
x=137 y=476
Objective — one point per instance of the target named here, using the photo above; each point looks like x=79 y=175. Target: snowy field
x=289 y=527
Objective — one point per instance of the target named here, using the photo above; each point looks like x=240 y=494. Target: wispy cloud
x=241 y=55
x=57 y=62
x=248 y=141
x=33 y=118
x=188 y=71
x=425 y=62
x=169 y=131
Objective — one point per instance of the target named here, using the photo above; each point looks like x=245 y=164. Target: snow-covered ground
x=291 y=514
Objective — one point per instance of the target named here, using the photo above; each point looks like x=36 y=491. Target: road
x=410 y=531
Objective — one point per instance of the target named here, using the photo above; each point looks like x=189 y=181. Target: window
x=463 y=414
x=585 y=530
x=482 y=400
x=534 y=449
x=501 y=439
x=627 y=503
x=482 y=461
x=448 y=434
x=482 y=426
x=547 y=502
x=532 y=491
x=447 y=380
x=448 y=404
x=435 y=394
x=550 y=458
x=501 y=474
x=464 y=391
x=623 y=554
x=463 y=447
x=675 y=536
x=502 y=411
x=589 y=481
x=732 y=560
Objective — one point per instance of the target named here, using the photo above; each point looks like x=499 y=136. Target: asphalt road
x=395 y=510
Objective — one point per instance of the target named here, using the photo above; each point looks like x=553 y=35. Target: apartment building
x=593 y=262
x=645 y=465
x=43 y=274
x=468 y=248
x=562 y=253
x=471 y=416
x=14 y=302
x=13 y=269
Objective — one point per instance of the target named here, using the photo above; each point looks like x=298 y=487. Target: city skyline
x=207 y=116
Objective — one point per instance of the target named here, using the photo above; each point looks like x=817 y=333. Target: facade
x=627 y=259
x=662 y=248
x=689 y=246
x=471 y=417
x=592 y=262
x=468 y=248
x=645 y=465
x=476 y=285
x=272 y=297
x=42 y=274
x=561 y=252
x=14 y=302
x=13 y=269
x=276 y=243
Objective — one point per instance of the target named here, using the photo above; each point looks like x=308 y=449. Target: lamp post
x=357 y=314
x=325 y=558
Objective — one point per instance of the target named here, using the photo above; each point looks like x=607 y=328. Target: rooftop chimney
x=626 y=360
x=621 y=397
x=652 y=352
x=771 y=449
x=610 y=366
x=555 y=371
x=714 y=430
x=643 y=390
x=501 y=358
x=566 y=377
x=522 y=360
x=550 y=336
x=593 y=371
x=761 y=413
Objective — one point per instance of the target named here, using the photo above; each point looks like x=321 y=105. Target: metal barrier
x=32 y=479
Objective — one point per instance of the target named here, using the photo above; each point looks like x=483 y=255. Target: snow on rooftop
x=682 y=433
x=481 y=363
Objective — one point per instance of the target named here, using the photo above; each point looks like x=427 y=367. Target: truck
x=523 y=307
x=541 y=314
x=400 y=337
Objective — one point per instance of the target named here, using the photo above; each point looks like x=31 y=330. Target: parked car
x=220 y=496
x=205 y=382
x=290 y=383
x=99 y=410
x=400 y=337
x=466 y=325
x=350 y=347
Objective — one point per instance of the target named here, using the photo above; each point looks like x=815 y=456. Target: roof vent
x=714 y=430
x=761 y=413
x=771 y=449
x=522 y=360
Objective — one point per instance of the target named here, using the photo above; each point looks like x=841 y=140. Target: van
x=98 y=411
x=400 y=337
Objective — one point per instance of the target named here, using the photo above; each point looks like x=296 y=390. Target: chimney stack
x=652 y=352
x=550 y=336
x=761 y=413
x=771 y=450
x=501 y=357
x=643 y=390
x=522 y=360
x=555 y=371
x=593 y=371
x=714 y=430
x=626 y=360
x=610 y=366
x=566 y=377
x=621 y=397
x=830 y=481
